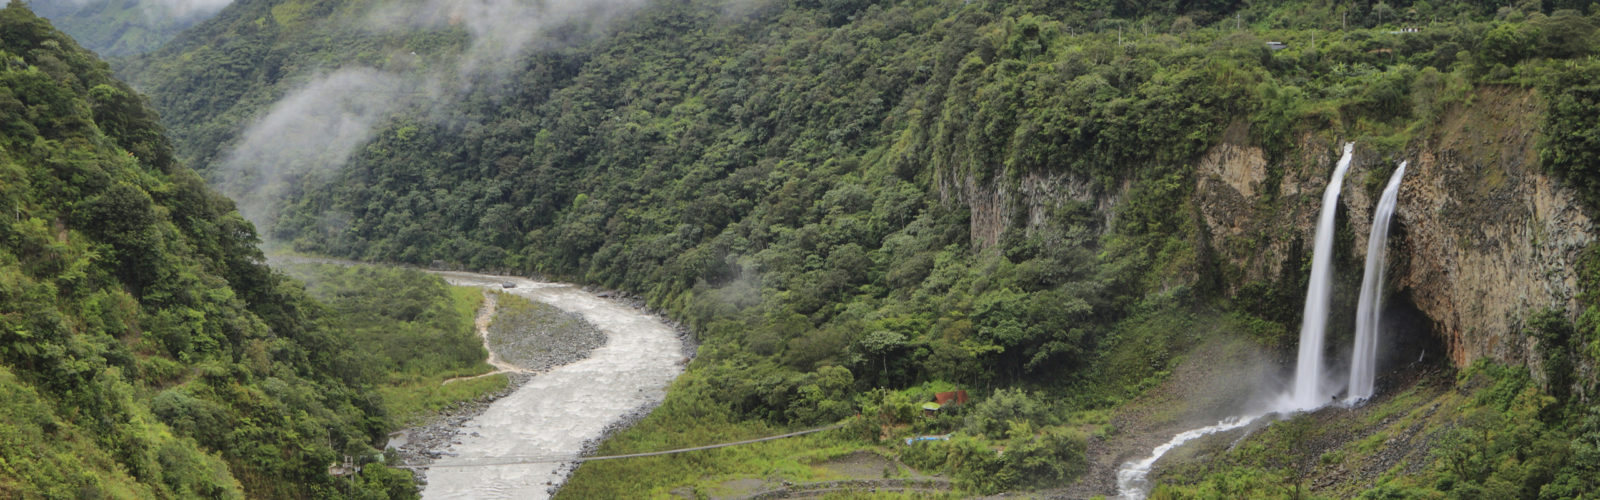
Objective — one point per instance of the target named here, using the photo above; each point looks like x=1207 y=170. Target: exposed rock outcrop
x=1486 y=238
x=1256 y=226
x=1491 y=238
x=996 y=203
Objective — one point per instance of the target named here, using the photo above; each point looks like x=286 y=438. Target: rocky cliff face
x=1258 y=223
x=999 y=204
x=1484 y=237
x=1491 y=237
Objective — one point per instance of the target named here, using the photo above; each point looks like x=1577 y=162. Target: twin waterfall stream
x=1364 y=358
x=1311 y=389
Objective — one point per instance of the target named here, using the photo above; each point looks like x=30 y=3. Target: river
x=523 y=445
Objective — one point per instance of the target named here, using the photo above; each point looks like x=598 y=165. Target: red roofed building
x=949 y=398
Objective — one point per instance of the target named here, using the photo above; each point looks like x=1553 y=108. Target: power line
x=556 y=459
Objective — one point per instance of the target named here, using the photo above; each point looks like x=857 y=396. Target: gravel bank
x=527 y=335
x=538 y=337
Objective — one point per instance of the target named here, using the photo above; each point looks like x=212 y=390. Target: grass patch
x=410 y=399
x=1142 y=352
x=709 y=471
x=411 y=402
x=466 y=301
x=1407 y=400
x=1370 y=444
x=418 y=329
x=690 y=417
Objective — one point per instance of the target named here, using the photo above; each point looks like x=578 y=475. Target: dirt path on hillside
x=485 y=317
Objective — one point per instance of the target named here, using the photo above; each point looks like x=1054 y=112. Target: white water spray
x=1364 y=358
x=1314 y=322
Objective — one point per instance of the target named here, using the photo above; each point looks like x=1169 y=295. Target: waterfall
x=1314 y=322
x=1364 y=358
x=1133 y=477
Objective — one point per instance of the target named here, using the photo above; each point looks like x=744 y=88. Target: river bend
x=548 y=419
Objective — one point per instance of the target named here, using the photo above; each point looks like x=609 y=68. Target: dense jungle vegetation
x=146 y=350
x=797 y=181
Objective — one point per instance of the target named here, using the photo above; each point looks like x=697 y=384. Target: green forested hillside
x=801 y=181
x=115 y=28
x=146 y=351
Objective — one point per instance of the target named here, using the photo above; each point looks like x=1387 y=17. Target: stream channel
x=524 y=444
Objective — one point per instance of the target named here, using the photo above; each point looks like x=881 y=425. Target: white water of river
x=522 y=446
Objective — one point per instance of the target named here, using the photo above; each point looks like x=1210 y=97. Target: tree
x=882 y=344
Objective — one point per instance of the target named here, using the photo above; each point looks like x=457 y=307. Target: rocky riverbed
x=420 y=446
x=523 y=444
x=526 y=337
x=537 y=337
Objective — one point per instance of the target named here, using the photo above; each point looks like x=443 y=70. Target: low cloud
x=305 y=135
x=315 y=129
x=183 y=10
x=503 y=30
x=179 y=10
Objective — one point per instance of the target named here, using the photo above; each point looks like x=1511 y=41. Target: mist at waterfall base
x=1313 y=386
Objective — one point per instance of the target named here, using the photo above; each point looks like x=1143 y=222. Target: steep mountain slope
x=843 y=196
x=145 y=349
x=214 y=80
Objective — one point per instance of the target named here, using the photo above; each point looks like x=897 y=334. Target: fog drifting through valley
x=315 y=129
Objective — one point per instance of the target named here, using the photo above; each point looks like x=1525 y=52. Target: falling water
x=1363 y=360
x=1313 y=324
x=1132 y=477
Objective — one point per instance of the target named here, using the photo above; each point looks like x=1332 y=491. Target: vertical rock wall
x=1485 y=238
x=996 y=204
x=1490 y=237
